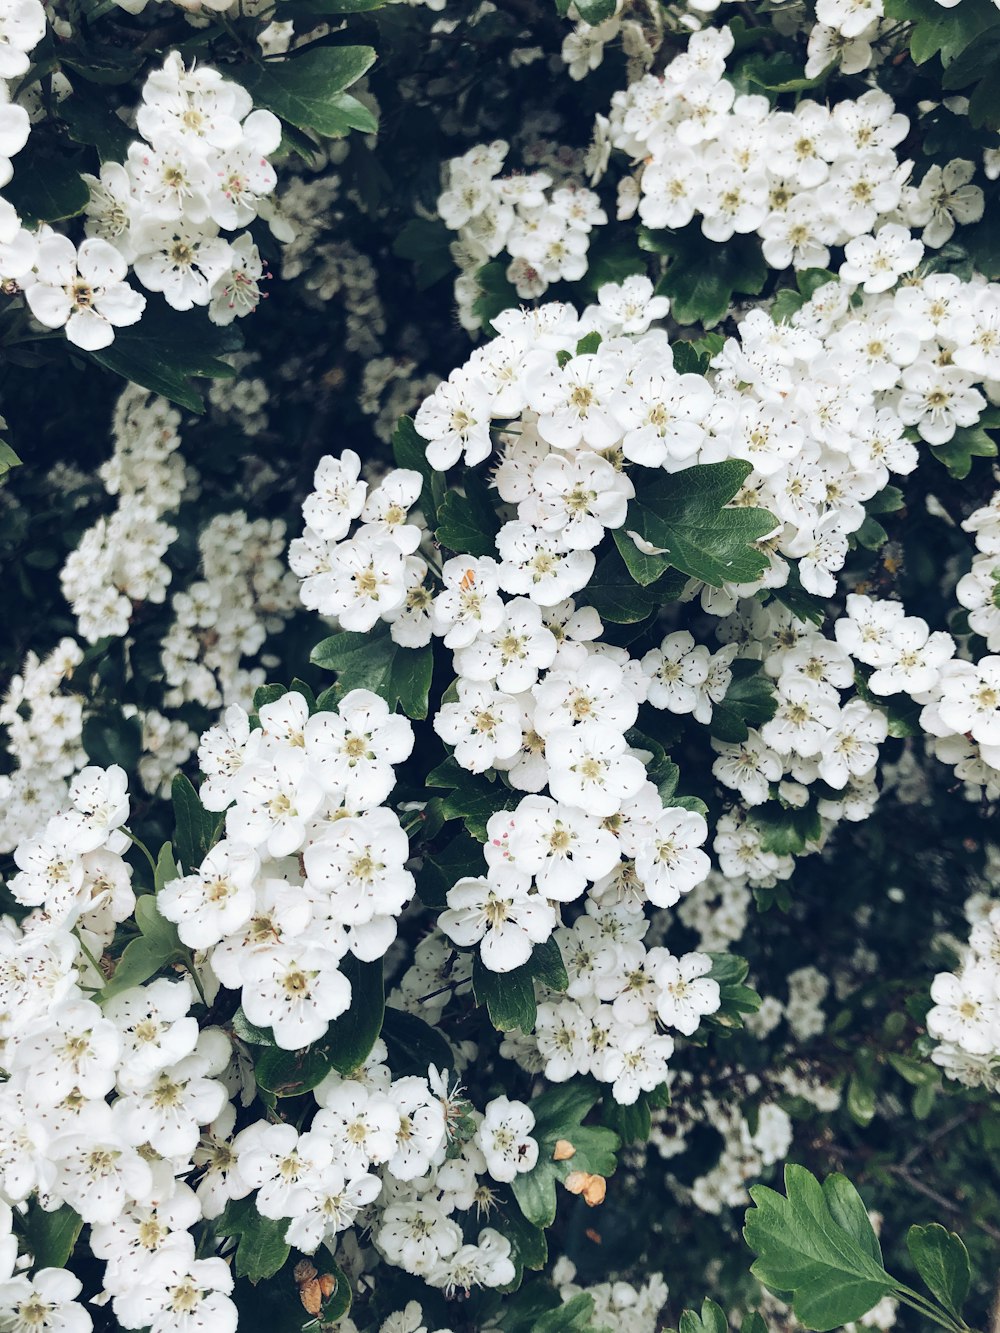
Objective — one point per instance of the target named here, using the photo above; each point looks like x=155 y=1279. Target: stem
x=193 y=971
x=138 y=842
x=88 y=955
x=929 y=1310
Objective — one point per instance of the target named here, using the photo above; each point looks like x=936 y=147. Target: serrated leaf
x=468 y=524
x=306 y=89
x=167 y=349
x=509 y=997
x=616 y=596
x=195 y=827
x=703 y=276
x=967 y=443
x=262 y=1250
x=90 y=120
x=559 y=1114
x=941 y=1259
x=158 y=944
x=50 y=1237
x=375 y=662
x=684 y=517
x=817 y=1246
x=749 y=701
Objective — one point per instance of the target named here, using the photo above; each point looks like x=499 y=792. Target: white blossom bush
x=500 y=736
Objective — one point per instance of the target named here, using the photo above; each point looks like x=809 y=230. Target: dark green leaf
x=195 y=827
x=510 y=996
x=749 y=702
x=374 y=662
x=683 y=517
x=306 y=89
x=818 y=1248
x=413 y=1045
x=468 y=524
x=50 y=1237
x=46 y=188
x=942 y=1260
x=262 y=1249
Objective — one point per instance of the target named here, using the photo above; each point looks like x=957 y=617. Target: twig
x=948 y=1205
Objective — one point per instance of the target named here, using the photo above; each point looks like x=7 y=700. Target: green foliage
x=195 y=827
x=157 y=946
x=50 y=1237
x=816 y=1248
x=262 y=1250
x=375 y=662
x=702 y=277
x=559 y=1114
x=472 y=797
x=942 y=1262
x=684 y=519
x=749 y=701
x=410 y=451
x=347 y=1044
x=509 y=997
x=468 y=524
x=307 y=90
x=167 y=349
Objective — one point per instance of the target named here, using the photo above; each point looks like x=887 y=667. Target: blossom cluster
x=544 y=226
x=805 y=181
x=200 y=170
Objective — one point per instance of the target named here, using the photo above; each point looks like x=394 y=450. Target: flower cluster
x=965 y=1017
x=544 y=227
x=804 y=181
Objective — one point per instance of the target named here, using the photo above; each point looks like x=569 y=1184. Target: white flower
x=669 y=861
x=500 y=911
x=83 y=290
x=589 y=768
x=183 y=260
x=504 y=1138
x=296 y=989
x=684 y=994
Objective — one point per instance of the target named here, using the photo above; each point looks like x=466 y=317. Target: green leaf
x=111 y=738
x=786 y=303
x=50 y=1237
x=940 y=31
x=967 y=443
x=262 y=1248
x=375 y=662
x=168 y=348
x=90 y=120
x=410 y=451
x=461 y=858
x=427 y=244
x=194 y=826
x=559 y=1114
x=413 y=1045
x=942 y=1260
x=709 y=1320
x=615 y=595
x=8 y=459
x=749 y=701
x=573 y=1316
x=786 y=830
x=817 y=1248
x=350 y=1038
x=468 y=524
x=683 y=517
x=595 y=11
x=496 y=293
x=306 y=89
x=703 y=276
x=346 y=1045
x=250 y=1032
x=509 y=997
x=46 y=188
x=158 y=944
